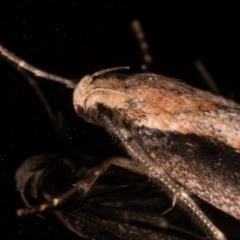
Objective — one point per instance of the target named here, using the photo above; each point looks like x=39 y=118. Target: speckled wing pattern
x=194 y=135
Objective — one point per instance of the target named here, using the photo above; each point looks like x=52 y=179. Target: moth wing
x=206 y=167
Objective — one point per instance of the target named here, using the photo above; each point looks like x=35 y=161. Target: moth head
x=97 y=92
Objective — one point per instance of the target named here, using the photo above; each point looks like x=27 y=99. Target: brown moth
x=181 y=136
x=184 y=139
x=188 y=132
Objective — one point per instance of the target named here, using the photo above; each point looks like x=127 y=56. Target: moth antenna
x=207 y=77
x=37 y=72
x=96 y=74
x=143 y=45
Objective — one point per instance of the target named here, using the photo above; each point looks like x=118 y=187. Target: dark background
x=75 y=38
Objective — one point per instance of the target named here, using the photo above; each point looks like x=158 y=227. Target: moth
x=127 y=207
x=184 y=139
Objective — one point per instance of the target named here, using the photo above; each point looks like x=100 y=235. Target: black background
x=75 y=38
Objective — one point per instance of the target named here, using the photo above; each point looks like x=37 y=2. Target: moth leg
x=143 y=45
x=84 y=184
x=37 y=72
x=20 y=65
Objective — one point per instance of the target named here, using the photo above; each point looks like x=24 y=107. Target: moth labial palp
x=184 y=139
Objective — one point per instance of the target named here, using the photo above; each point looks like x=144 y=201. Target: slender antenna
x=96 y=74
x=37 y=72
x=140 y=36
